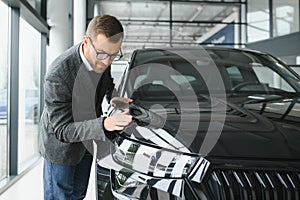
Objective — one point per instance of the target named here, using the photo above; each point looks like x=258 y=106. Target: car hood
x=244 y=135
x=257 y=140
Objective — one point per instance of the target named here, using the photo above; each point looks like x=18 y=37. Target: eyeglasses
x=102 y=55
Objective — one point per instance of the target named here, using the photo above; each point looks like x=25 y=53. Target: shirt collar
x=84 y=60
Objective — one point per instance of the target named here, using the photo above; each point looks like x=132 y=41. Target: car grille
x=250 y=184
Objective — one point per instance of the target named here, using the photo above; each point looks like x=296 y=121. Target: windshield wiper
x=253 y=99
x=265 y=99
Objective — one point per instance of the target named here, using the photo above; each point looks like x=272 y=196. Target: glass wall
x=3 y=88
x=258 y=17
x=285 y=17
x=29 y=84
x=23 y=40
x=36 y=4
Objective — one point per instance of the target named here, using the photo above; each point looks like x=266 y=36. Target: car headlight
x=160 y=168
x=152 y=160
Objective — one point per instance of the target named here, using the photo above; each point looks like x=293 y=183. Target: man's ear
x=85 y=44
x=85 y=40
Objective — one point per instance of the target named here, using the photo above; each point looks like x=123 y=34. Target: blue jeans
x=63 y=182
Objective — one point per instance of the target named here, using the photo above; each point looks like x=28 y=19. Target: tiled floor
x=30 y=186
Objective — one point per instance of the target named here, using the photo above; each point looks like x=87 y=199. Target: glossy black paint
x=257 y=155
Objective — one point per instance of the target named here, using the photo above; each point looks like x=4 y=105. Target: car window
x=138 y=80
x=256 y=77
x=270 y=77
x=175 y=76
x=235 y=75
x=250 y=72
x=183 y=79
x=168 y=76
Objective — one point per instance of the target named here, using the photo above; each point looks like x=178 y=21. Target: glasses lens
x=116 y=57
x=102 y=56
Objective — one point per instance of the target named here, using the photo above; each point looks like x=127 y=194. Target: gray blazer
x=69 y=121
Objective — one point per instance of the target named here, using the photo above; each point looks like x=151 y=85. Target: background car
x=210 y=123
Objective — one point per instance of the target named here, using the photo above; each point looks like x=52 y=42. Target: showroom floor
x=30 y=186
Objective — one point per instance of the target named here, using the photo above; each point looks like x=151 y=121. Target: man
x=75 y=86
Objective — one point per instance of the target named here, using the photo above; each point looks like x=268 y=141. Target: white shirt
x=84 y=60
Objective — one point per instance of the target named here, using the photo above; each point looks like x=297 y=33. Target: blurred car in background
x=209 y=123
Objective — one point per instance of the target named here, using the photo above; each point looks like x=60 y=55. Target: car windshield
x=166 y=75
x=187 y=93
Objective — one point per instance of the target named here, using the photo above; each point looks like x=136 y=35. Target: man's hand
x=120 y=103
x=118 y=122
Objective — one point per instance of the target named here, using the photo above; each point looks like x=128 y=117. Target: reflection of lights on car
x=158 y=162
x=31 y=104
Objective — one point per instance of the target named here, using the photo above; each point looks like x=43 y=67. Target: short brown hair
x=108 y=25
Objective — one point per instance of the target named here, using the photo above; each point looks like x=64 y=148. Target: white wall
x=79 y=22
x=57 y=11
x=57 y=18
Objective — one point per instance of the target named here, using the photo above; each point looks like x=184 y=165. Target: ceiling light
x=198 y=10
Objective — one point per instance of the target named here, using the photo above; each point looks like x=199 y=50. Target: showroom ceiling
x=166 y=23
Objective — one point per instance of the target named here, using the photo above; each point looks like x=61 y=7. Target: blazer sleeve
x=68 y=122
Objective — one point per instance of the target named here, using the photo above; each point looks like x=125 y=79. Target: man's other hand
x=118 y=122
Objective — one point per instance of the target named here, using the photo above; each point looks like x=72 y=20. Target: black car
x=209 y=123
